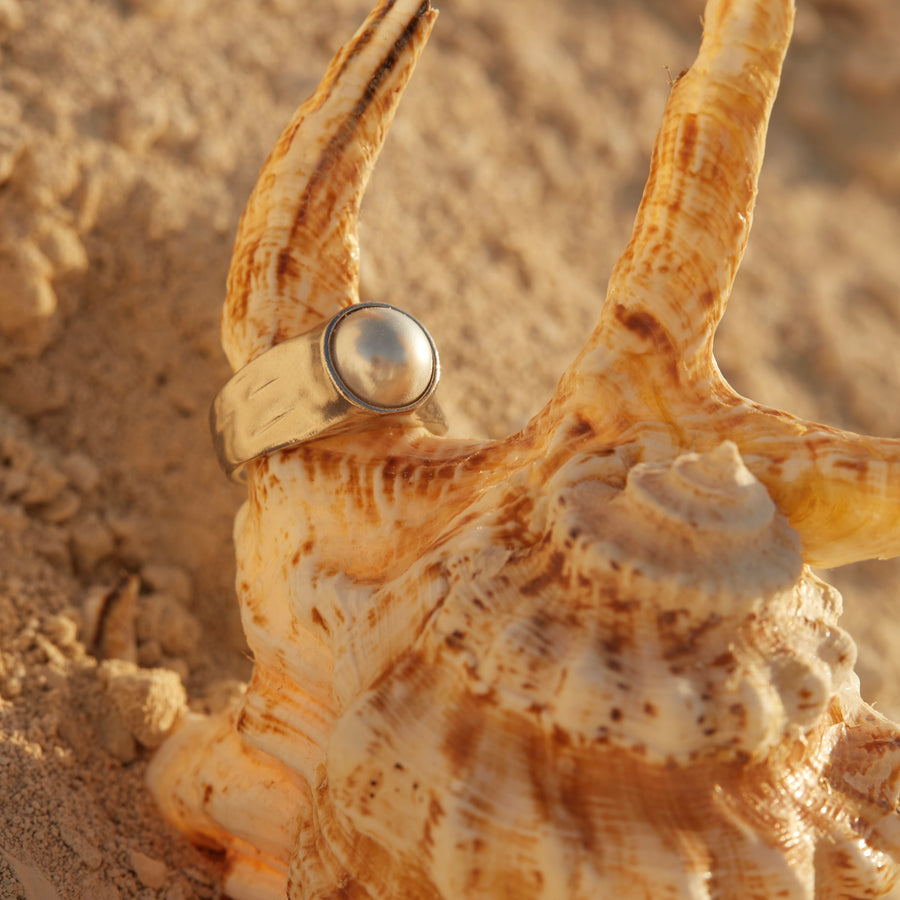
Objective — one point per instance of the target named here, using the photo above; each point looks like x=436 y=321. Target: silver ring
x=371 y=365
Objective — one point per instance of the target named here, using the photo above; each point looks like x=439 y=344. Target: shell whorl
x=618 y=618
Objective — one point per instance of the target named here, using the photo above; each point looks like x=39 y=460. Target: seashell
x=588 y=660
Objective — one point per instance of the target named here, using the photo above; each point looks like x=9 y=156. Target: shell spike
x=296 y=256
x=669 y=289
x=839 y=490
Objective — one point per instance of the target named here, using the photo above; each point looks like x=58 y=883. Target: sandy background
x=131 y=132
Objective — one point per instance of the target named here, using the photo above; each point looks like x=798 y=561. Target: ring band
x=369 y=366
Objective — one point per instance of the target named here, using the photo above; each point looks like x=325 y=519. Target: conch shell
x=589 y=660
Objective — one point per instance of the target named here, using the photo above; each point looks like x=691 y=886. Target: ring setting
x=380 y=358
x=371 y=365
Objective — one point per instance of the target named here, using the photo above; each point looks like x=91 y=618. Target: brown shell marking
x=588 y=660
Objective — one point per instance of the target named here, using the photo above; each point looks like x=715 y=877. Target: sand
x=131 y=132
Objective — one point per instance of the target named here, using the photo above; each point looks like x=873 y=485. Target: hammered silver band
x=372 y=365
